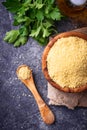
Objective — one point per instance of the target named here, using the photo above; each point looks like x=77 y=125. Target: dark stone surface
x=18 y=109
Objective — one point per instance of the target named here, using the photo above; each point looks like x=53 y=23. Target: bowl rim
x=44 y=62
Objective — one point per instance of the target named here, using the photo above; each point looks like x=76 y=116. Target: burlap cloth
x=70 y=100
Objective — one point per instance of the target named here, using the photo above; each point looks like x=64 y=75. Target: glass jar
x=75 y=9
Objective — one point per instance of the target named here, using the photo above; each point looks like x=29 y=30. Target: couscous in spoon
x=24 y=73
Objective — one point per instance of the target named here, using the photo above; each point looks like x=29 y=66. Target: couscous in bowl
x=64 y=62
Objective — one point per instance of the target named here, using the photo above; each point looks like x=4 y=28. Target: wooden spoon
x=46 y=114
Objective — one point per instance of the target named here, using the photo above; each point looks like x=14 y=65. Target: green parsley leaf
x=12 y=5
x=35 y=32
x=11 y=36
x=55 y=14
x=34 y=18
x=40 y=15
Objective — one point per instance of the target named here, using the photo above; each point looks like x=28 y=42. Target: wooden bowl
x=44 y=61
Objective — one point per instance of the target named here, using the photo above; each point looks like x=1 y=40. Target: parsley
x=34 y=18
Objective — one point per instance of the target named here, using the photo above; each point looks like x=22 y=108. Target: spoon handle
x=46 y=114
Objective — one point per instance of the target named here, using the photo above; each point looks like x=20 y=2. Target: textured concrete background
x=18 y=109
